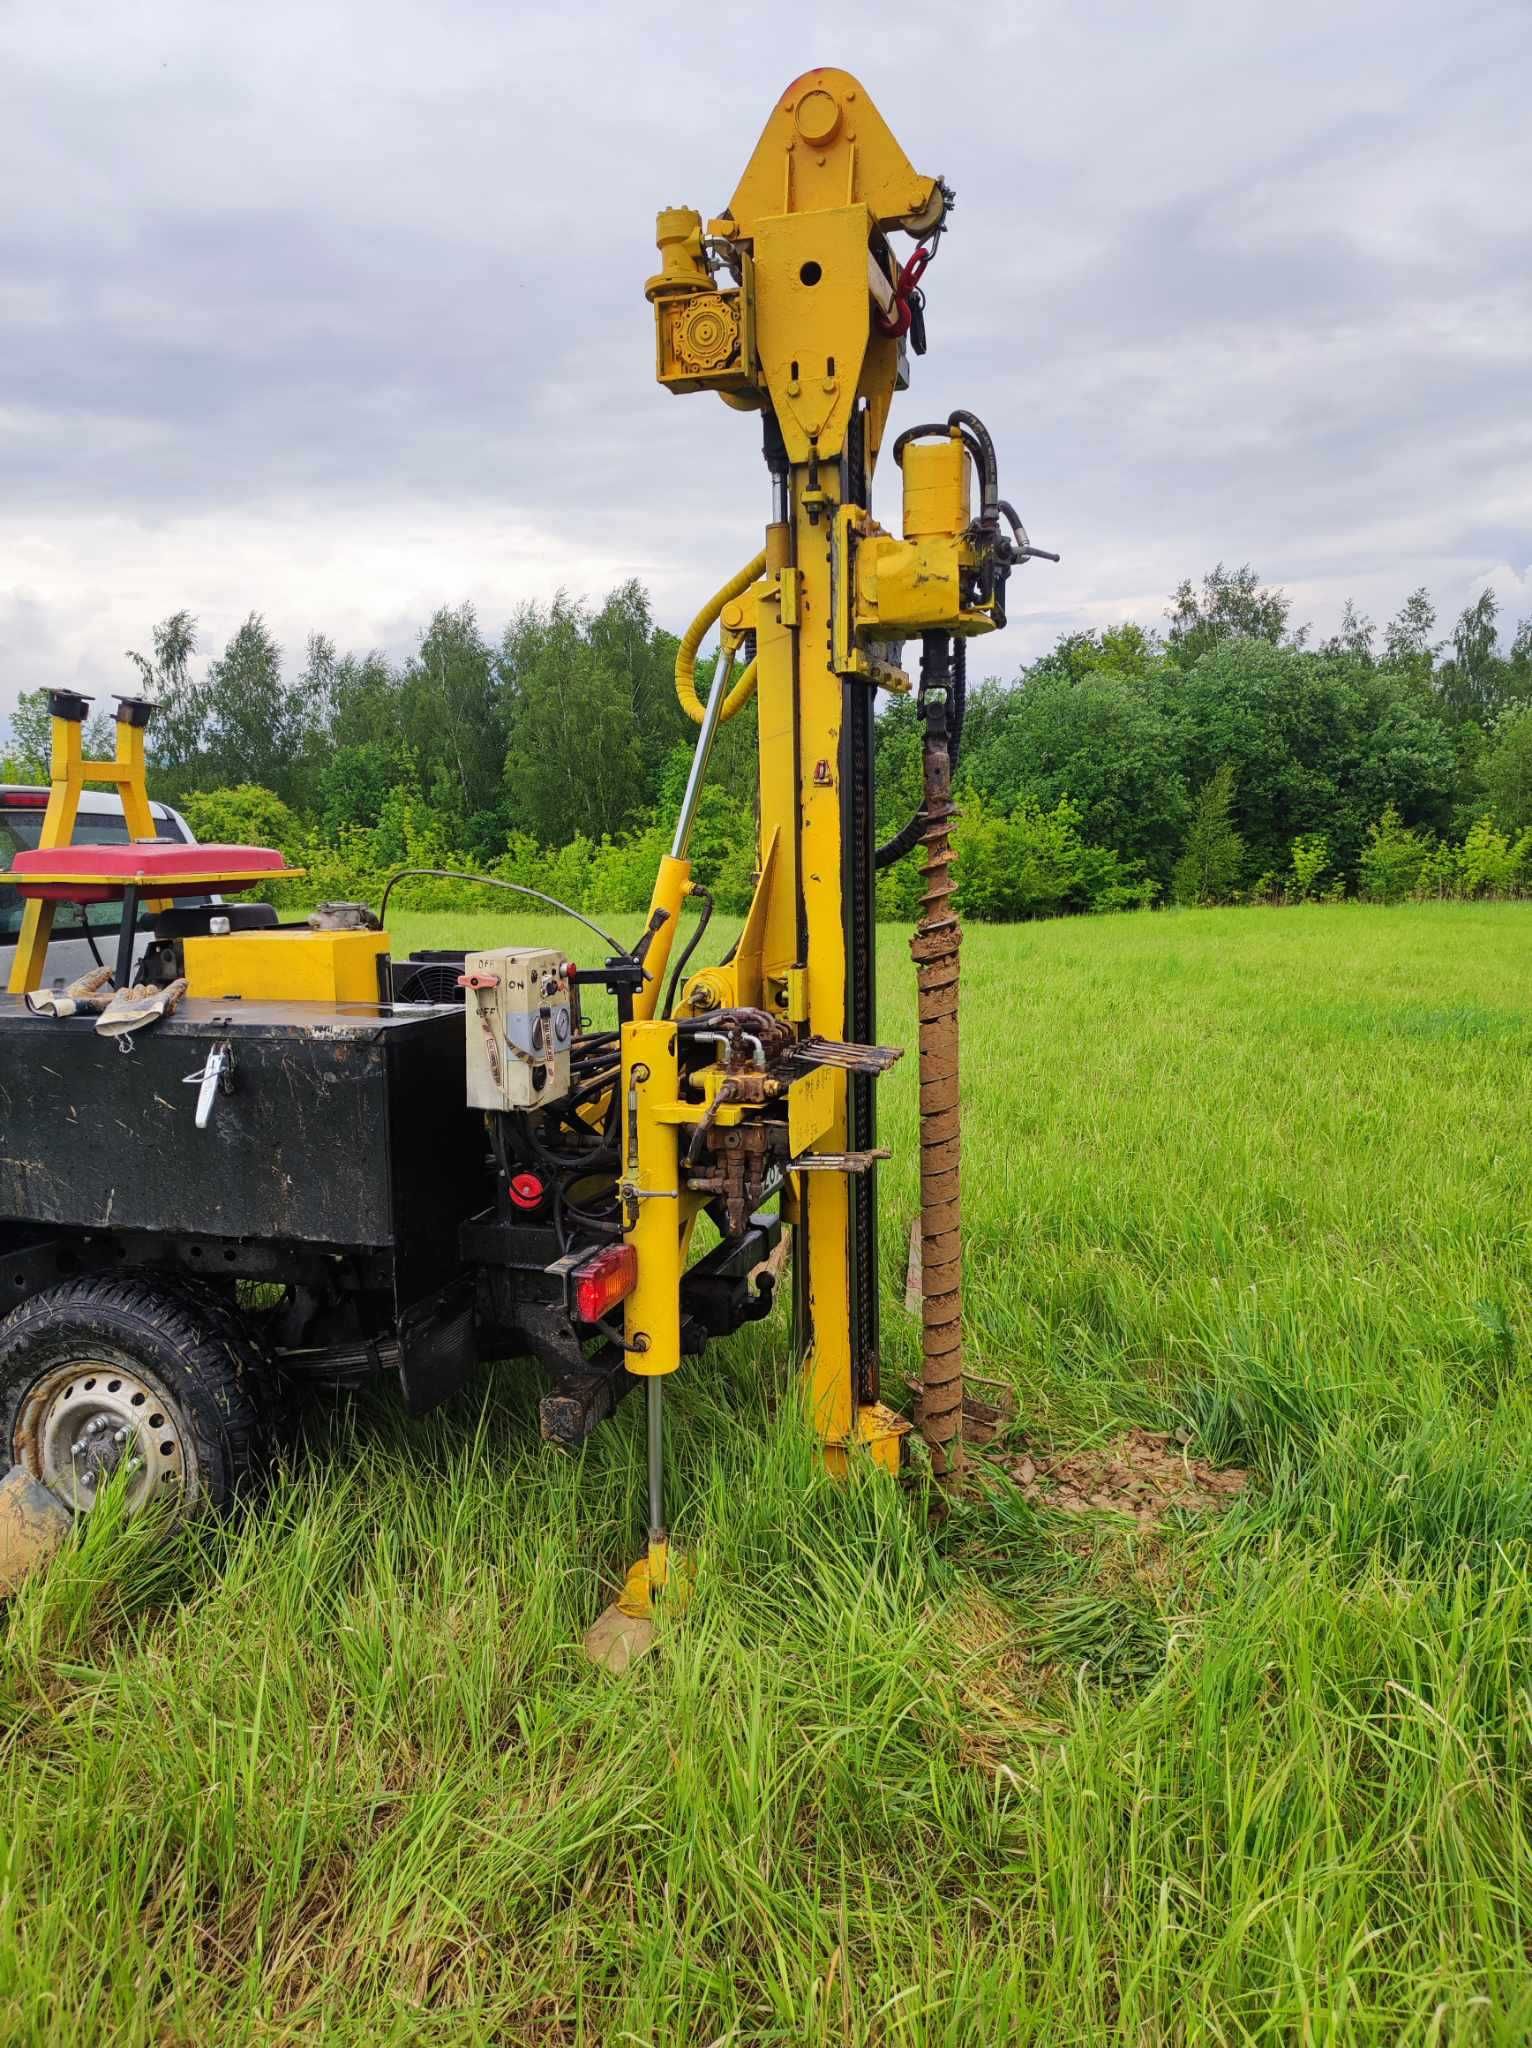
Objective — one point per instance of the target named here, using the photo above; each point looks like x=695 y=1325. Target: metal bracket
x=213 y=1078
x=838 y=1162
x=630 y=1197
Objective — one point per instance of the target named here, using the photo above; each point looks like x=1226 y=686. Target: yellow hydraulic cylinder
x=669 y=893
x=650 y=1192
x=936 y=497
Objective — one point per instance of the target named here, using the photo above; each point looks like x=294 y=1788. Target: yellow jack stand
x=70 y=773
x=624 y=1632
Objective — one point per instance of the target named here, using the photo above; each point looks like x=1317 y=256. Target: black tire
x=106 y=1365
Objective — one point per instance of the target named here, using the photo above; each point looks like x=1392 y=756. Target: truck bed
x=346 y=1128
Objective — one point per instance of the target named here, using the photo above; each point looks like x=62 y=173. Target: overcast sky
x=335 y=311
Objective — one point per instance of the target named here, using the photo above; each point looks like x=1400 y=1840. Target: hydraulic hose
x=975 y=432
x=678 y=972
x=908 y=837
x=696 y=633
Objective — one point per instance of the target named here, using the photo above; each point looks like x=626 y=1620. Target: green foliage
x=1407 y=643
x=254 y=724
x=1105 y=737
x=575 y=759
x=30 y=752
x=245 y=815
x=1086 y=781
x=1231 y=605
x=451 y=716
x=1505 y=769
x=1476 y=684
x=1488 y=860
x=1318 y=743
x=1441 y=872
x=354 y=784
x=1209 y=868
x=30 y=747
x=1034 y=863
x=1311 y=857
x=178 y=732
x=1356 y=636
x=1391 y=862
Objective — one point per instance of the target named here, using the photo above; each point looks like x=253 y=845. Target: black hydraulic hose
x=904 y=841
x=691 y=946
x=928 y=430
x=494 y=882
x=907 y=838
x=989 y=465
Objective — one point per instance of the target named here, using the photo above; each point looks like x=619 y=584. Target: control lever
x=1020 y=549
x=213 y=1078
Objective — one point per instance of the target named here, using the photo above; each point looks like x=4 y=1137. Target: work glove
x=89 y=992
x=132 y=1008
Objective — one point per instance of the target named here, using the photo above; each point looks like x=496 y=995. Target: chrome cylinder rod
x=723 y=678
x=656 y=1460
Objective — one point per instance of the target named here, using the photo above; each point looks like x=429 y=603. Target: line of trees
x=1220 y=757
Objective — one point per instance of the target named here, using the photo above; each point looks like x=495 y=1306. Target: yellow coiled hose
x=696 y=633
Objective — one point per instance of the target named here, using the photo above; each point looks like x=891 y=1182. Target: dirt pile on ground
x=1141 y=1473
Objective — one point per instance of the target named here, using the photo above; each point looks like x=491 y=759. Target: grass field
x=340 y=1772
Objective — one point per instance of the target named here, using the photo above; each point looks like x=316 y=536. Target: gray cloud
x=337 y=312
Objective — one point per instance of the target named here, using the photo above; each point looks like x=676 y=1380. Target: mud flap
x=437 y=1347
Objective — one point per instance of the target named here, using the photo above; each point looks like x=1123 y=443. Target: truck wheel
x=104 y=1371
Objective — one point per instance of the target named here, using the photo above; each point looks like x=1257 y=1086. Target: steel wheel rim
x=86 y=1420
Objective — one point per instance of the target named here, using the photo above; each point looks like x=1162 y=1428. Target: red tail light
x=603 y=1281
x=24 y=800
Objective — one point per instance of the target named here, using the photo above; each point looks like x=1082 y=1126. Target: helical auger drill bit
x=934 y=948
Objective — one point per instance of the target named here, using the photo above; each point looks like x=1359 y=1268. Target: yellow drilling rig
x=424 y=1161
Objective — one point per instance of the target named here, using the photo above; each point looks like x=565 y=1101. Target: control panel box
x=519 y=1023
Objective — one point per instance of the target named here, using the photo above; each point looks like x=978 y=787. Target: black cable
x=494 y=882
x=691 y=946
x=82 y=926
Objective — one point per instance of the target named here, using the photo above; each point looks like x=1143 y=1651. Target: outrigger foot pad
x=625 y=1631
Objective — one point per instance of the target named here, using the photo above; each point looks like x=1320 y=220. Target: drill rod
x=934 y=949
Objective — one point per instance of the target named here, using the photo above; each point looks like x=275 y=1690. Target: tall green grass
x=338 y=1770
